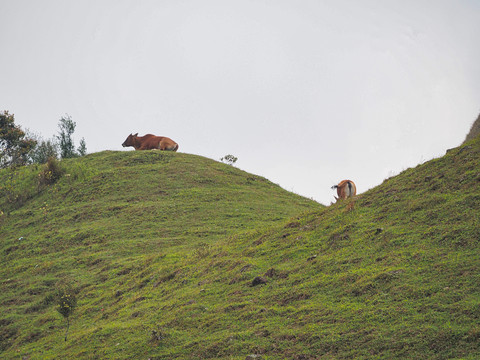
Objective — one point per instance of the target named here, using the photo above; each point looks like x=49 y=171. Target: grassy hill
x=174 y=256
x=113 y=226
x=474 y=130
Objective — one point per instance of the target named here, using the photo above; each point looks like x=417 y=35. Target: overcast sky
x=304 y=92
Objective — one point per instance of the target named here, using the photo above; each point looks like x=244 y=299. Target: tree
x=14 y=145
x=66 y=303
x=43 y=150
x=82 y=149
x=65 y=141
x=67 y=128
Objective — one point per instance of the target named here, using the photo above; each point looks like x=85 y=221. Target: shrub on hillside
x=50 y=173
x=66 y=303
x=229 y=159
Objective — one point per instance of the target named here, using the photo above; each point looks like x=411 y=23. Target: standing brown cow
x=345 y=189
x=150 y=142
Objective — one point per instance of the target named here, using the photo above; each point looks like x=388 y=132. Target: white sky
x=303 y=92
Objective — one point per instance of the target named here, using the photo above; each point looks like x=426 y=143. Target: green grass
x=162 y=249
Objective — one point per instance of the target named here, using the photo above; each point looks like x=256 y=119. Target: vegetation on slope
x=107 y=220
x=397 y=276
x=474 y=130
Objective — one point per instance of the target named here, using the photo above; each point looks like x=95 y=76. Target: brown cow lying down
x=150 y=142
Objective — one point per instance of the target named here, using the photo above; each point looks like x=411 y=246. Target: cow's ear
x=136 y=134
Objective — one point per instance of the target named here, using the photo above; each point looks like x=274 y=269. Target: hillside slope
x=110 y=217
x=474 y=130
x=395 y=277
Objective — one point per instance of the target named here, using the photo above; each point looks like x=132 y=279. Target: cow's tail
x=351 y=189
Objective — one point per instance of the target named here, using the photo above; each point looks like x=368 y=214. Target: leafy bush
x=229 y=159
x=66 y=302
x=51 y=172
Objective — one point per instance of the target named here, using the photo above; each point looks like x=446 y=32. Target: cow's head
x=130 y=141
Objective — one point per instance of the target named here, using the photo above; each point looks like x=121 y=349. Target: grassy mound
x=92 y=223
x=173 y=256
